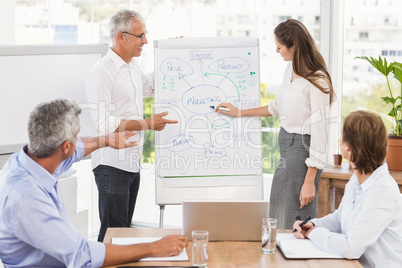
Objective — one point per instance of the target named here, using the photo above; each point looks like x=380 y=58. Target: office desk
x=230 y=254
x=332 y=185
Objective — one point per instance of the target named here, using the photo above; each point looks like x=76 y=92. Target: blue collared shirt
x=34 y=229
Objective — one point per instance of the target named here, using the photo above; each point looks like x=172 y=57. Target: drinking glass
x=268 y=235
x=200 y=248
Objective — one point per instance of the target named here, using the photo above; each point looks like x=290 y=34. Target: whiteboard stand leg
x=162 y=210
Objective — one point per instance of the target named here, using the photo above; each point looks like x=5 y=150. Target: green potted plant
x=394 y=155
x=337 y=154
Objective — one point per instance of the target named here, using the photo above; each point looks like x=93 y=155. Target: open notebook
x=293 y=248
x=137 y=240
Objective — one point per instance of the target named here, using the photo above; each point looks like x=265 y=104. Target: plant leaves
x=380 y=65
x=393 y=112
x=398 y=128
x=389 y=100
x=397 y=71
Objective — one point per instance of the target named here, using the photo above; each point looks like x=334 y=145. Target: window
x=363 y=86
x=85 y=21
x=363 y=36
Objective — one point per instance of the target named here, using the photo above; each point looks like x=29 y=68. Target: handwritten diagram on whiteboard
x=190 y=80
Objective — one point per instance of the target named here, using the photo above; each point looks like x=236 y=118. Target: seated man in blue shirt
x=34 y=229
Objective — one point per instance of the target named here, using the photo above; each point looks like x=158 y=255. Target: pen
x=221 y=108
x=303 y=222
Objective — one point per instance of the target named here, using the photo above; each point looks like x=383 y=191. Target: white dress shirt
x=368 y=223
x=116 y=89
x=303 y=109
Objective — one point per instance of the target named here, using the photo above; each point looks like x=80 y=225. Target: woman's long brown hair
x=307 y=60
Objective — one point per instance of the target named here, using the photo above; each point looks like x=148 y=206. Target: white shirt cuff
x=314 y=163
x=273 y=108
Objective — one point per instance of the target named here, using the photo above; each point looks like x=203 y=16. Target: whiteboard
x=192 y=75
x=34 y=74
x=207 y=155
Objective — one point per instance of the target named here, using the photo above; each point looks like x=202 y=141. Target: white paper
x=138 y=240
x=294 y=248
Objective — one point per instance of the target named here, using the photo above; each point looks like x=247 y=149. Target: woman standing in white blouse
x=302 y=105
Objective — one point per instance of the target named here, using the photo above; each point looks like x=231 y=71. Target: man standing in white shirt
x=117 y=86
x=368 y=223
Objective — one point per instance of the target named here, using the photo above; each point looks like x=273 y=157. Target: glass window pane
x=371 y=29
x=86 y=21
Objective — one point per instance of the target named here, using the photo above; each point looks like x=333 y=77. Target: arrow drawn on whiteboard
x=225 y=76
x=223 y=79
x=214 y=126
x=229 y=124
x=200 y=63
x=182 y=77
x=209 y=129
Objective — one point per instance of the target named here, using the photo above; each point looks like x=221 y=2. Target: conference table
x=229 y=253
x=332 y=184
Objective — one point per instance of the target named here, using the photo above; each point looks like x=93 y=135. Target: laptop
x=225 y=220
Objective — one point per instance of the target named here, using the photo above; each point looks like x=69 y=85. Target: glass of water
x=200 y=248
x=268 y=235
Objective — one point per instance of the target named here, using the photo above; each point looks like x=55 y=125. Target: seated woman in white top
x=368 y=224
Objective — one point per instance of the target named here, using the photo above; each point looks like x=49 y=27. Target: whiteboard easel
x=193 y=74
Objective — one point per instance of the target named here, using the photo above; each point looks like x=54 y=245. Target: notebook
x=225 y=220
x=138 y=240
x=293 y=248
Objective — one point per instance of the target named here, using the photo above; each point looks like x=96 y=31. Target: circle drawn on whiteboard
x=229 y=65
x=179 y=143
x=198 y=99
x=175 y=67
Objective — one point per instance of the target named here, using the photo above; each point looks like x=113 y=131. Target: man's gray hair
x=121 y=21
x=50 y=124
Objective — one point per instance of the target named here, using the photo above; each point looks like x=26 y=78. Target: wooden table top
x=345 y=172
x=229 y=254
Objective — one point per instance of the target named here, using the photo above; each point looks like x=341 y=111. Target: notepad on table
x=138 y=240
x=293 y=248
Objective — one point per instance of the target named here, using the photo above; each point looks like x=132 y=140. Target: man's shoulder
x=103 y=63
x=102 y=67
x=14 y=184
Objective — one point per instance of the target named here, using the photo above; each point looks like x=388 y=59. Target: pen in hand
x=303 y=222
x=221 y=108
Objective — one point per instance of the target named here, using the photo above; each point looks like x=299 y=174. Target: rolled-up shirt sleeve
x=148 y=84
x=98 y=253
x=98 y=84
x=331 y=222
x=273 y=108
x=318 y=125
